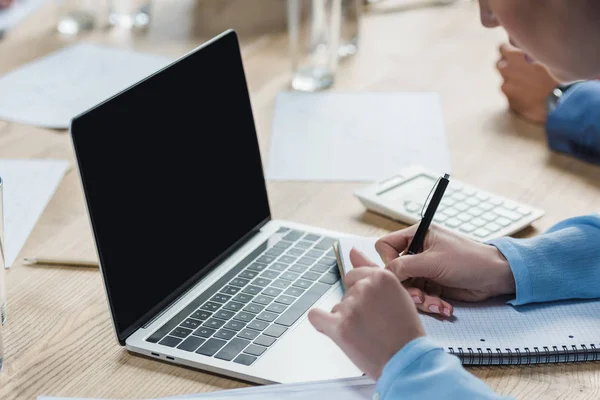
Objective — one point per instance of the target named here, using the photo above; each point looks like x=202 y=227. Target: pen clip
x=428 y=196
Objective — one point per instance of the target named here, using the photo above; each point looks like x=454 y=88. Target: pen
x=417 y=243
x=60 y=261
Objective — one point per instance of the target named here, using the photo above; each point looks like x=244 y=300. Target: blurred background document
x=50 y=91
x=354 y=136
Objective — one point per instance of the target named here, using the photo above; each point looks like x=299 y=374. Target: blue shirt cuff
x=519 y=267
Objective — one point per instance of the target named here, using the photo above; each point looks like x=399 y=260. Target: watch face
x=552 y=99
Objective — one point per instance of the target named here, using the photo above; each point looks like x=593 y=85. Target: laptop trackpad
x=304 y=354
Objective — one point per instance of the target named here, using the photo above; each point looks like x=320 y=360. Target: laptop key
x=262 y=282
x=191 y=323
x=255 y=350
x=264 y=340
x=264 y=300
x=302 y=283
x=191 y=343
x=289 y=276
x=320 y=268
x=302 y=305
x=211 y=347
x=248 y=274
x=271 y=291
x=248 y=334
x=266 y=259
x=269 y=274
x=210 y=306
x=277 y=308
x=294 y=291
x=225 y=334
x=293 y=236
x=173 y=341
x=306 y=260
x=233 y=306
x=220 y=298
x=241 y=282
x=304 y=245
x=267 y=316
x=257 y=325
x=274 y=252
x=279 y=267
x=257 y=267
x=232 y=349
x=329 y=278
x=283 y=299
x=299 y=268
x=311 y=237
x=230 y=290
x=315 y=253
x=252 y=289
x=311 y=276
x=235 y=325
x=244 y=316
x=275 y=330
x=325 y=244
x=282 y=244
x=181 y=332
x=201 y=315
x=295 y=252
x=283 y=229
x=214 y=323
x=243 y=297
x=204 y=332
x=224 y=314
x=281 y=284
x=328 y=261
x=245 y=359
x=254 y=308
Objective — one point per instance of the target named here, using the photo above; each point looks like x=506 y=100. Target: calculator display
x=415 y=189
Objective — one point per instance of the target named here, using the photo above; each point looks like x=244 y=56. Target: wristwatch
x=557 y=93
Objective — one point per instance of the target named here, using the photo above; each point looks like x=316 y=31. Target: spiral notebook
x=496 y=333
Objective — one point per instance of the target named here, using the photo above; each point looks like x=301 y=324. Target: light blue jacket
x=546 y=268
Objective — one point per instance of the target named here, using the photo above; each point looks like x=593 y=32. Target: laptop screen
x=173 y=179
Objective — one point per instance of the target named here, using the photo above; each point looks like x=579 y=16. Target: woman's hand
x=374 y=320
x=5 y=3
x=450 y=266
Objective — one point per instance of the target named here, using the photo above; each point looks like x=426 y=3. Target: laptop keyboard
x=251 y=307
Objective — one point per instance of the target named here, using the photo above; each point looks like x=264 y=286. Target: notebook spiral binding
x=526 y=355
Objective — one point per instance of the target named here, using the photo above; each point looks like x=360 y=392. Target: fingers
x=509 y=51
x=358 y=259
x=413 y=266
x=356 y=275
x=430 y=304
x=392 y=245
x=323 y=321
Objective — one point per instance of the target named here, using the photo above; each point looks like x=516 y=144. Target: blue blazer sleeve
x=423 y=371
x=563 y=263
x=574 y=125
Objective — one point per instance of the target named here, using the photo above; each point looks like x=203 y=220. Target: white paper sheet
x=355 y=136
x=50 y=91
x=345 y=389
x=365 y=244
x=28 y=187
x=17 y=12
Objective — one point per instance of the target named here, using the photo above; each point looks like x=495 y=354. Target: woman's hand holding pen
x=449 y=266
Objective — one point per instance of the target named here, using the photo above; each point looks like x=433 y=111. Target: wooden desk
x=59 y=335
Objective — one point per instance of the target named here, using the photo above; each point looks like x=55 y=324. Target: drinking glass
x=130 y=13
x=314 y=32
x=349 y=30
x=75 y=16
x=2 y=276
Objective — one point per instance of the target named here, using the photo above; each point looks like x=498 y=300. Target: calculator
x=464 y=209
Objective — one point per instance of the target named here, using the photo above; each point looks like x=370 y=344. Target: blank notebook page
x=496 y=325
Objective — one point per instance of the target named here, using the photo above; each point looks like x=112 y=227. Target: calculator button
x=465 y=217
x=472 y=201
x=507 y=214
x=451 y=212
x=448 y=202
x=453 y=223
x=412 y=207
x=487 y=206
x=481 y=232
x=457 y=186
x=482 y=196
x=523 y=211
x=489 y=216
x=467 y=228
x=459 y=196
x=461 y=207
x=478 y=222
x=503 y=221
x=496 y=201
x=440 y=218
x=509 y=205
x=475 y=211
x=493 y=227
x=469 y=191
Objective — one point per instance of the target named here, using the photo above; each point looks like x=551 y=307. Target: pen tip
x=446 y=176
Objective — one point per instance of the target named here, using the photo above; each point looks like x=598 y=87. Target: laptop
x=196 y=271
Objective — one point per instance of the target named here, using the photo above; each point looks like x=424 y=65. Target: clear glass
x=130 y=13
x=349 y=31
x=2 y=277
x=314 y=32
x=75 y=16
